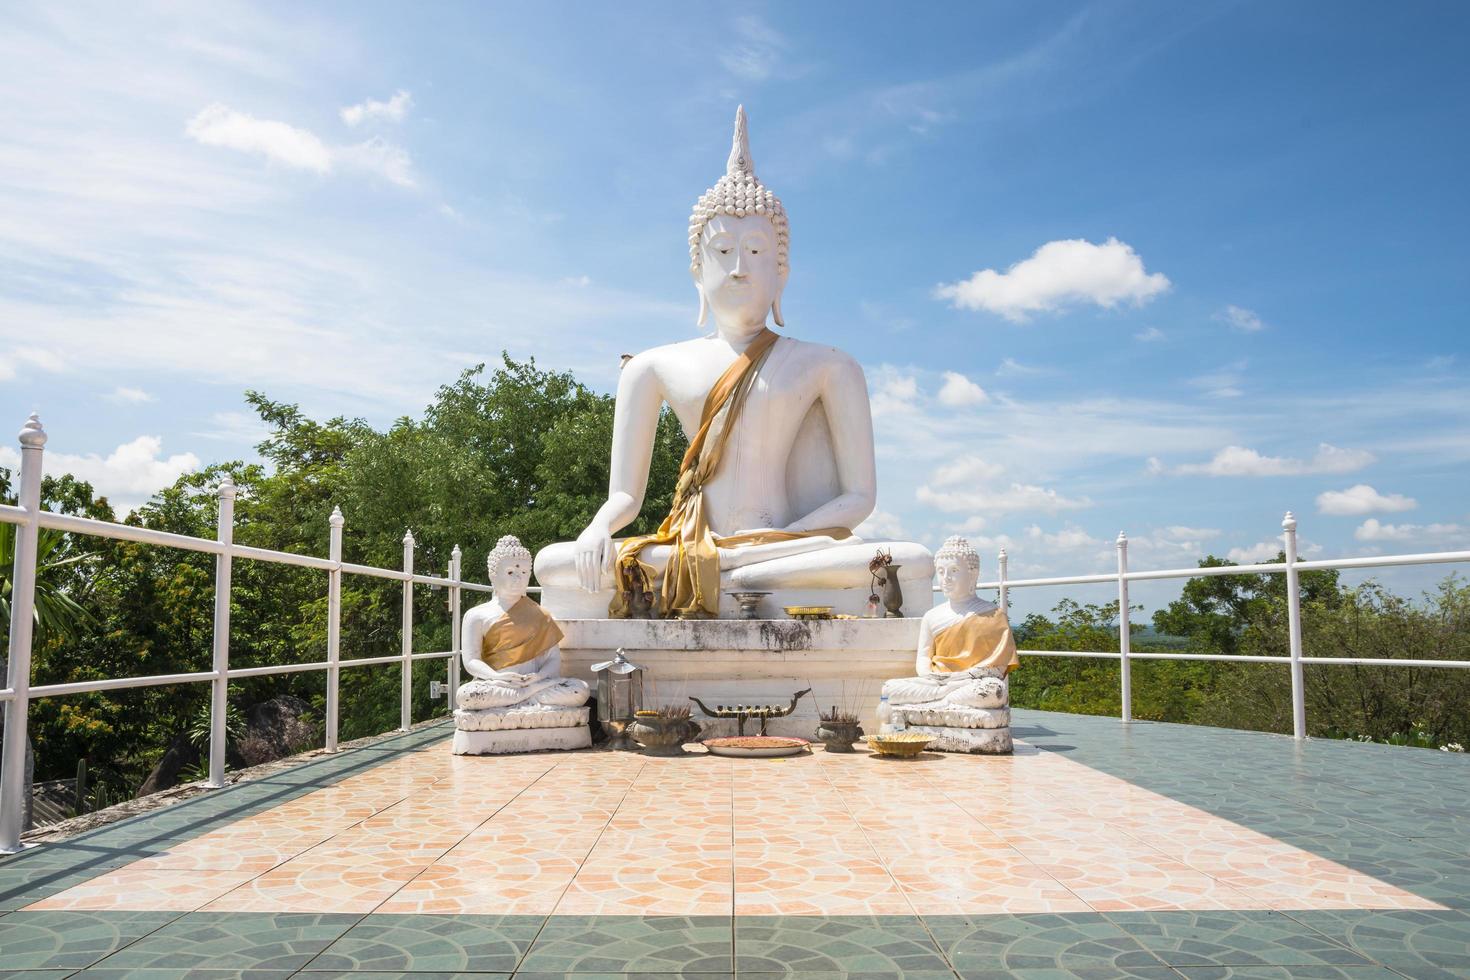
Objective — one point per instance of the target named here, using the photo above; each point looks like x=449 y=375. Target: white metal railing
x=1291 y=568
x=15 y=697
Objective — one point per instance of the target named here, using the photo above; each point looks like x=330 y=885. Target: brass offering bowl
x=809 y=612
x=900 y=745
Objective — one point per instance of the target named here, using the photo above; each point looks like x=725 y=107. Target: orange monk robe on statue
x=975 y=640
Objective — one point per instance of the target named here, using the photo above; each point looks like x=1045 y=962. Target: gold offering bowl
x=900 y=745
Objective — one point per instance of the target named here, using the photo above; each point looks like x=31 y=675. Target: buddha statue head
x=957 y=565
x=509 y=568
x=738 y=244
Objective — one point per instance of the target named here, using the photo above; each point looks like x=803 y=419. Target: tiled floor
x=1098 y=850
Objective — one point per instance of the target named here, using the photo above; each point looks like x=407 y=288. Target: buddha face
x=738 y=276
x=511 y=578
x=956 y=577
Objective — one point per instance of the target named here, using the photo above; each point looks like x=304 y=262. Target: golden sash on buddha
x=977 y=640
x=691 y=581
x=522 y=633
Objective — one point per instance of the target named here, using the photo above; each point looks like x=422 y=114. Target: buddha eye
x=724 y=251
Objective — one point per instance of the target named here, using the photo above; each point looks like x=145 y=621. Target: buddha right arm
x=635 y=425
x=926 y=649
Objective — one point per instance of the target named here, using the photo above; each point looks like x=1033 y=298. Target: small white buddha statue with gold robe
x=959 y=692
x=518 y=700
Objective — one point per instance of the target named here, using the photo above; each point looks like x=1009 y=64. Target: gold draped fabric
x=523 y=632
x=691 y=580
x=977 y=640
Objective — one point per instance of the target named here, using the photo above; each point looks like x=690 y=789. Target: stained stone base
x=521 y=716
x=956 y=716
x=979 y=741
x=522 y=740
x=764 y=661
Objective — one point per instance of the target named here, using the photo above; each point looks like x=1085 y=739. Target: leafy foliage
x=1246 y=615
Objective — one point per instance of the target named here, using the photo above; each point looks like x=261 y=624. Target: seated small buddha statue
x=510 y=643
x=780 y=466
x=959 y=692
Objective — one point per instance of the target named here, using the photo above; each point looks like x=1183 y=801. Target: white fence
x=29 y=519
x=1291 y=568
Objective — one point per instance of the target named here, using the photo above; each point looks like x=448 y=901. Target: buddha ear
x=703 y=305
x=776 y=303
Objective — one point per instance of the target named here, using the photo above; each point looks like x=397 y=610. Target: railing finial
x=456 y=554
x=408 y=538
x=227 y=488
x=32 y=436
x=1122 y=539
x=337 y=520
x=1289 y=522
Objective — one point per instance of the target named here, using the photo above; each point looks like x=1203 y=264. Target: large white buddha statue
x=959 y=693
x=518 y=699
x=779 y=470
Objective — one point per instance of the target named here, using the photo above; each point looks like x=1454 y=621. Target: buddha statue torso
x=780 y=463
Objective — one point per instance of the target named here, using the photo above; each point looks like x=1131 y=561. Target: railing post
x=1005 y=605
x=334 y=627
x=1125 y=673
x=1294 y=624
x=456 y=560
x=13 y=789
x=220 y=686
x=405 y=709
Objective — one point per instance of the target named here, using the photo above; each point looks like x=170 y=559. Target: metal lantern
x=619 y=697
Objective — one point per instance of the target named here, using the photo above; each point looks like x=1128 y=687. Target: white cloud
x=1362 y=499
x=755 y=51
x=1240 y=318
x=1010 y=367
x=1240 y=461
x=1372 y=530
x=1149 y=334
x=394 y=110
x=880 y=525
x=243 y=428
x=378 y=156
x=895 y=391
x=1255 y=554
x=130 y=396
x=1059 y=274
x=127 y=476
x=291 y=146
x=965 y=469
x=219 y=125
x=959 y=391
x=1224 y=383
x=1016 y=498
x=1179 y=532
x=32 y=357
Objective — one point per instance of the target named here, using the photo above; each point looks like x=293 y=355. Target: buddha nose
x=739 y=271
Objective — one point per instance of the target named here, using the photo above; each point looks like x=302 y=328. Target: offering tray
x=809 y=612
x=900 y=745
x=755 y=746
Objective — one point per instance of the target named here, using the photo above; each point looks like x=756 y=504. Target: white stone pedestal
x=521 y=740
x=721 y=661
x=531 y=728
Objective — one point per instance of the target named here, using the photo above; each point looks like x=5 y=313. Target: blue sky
x=1168 y=268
